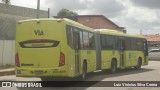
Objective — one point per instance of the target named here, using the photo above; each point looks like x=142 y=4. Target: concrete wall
x=9 y=14
x=7 y=52
x=21 y=11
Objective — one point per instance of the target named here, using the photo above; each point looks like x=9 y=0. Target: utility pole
x=140 y=31
x=7 y=2
x=48 y=12
x=38 y=8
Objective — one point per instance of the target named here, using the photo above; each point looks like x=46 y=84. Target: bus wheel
x=113 y=66
x=139 y=64
x=84 y=71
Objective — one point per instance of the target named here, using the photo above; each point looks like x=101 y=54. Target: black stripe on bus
x=55 y=43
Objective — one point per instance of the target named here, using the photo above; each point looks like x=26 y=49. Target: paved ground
x=5 y=72
x=147 y=73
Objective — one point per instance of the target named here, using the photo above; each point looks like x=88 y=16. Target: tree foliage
x=66 y=12
x=7 y=2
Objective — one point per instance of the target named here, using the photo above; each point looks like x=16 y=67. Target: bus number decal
x=38 y=32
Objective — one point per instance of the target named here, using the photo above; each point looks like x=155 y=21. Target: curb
x=5 y=72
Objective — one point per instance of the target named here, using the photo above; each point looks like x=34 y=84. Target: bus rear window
x=39 y=43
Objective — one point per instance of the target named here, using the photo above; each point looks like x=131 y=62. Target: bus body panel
x=89 y=56
x=59 y=48
x=131 y=58
x=107 y=56
x=129 y=55
x=39 y=44
x=78 y=52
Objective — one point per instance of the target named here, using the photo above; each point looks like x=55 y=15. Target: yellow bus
x=49 y=48
x=119 y=50
x=54 y=48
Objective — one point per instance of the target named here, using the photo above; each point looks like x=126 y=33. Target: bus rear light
x=62 y=59
x=17 y=63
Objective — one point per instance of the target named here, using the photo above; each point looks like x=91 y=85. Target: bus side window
x=81 y=40
x=76 y=38
x=120 y=43
x=139 y=45
x=103 y=42
x=127 y=44
x=111 y=42
x=69 y=36
x=91 y=41
x=85 y=39
x=133 y=42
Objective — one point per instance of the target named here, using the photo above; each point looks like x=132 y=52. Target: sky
x=134 y=15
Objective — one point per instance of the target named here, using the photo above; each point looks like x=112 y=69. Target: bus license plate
x=39 y=72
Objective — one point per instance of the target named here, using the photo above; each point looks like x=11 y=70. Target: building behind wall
x=153 y=41
x=95 y=21
x=9 y=14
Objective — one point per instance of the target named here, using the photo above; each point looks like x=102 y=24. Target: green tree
x=66 y=12
x=7 y=2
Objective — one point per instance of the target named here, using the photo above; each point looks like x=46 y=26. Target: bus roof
x=67 y=21
x=78 y=25
x=117 y=33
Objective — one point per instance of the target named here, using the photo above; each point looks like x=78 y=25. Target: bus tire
x=113 y=68
x=139 y=64
x=84 y=71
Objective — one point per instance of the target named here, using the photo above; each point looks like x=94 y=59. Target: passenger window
x=103 y=42
x=111 y=42
x=69 y=36
x=81 y=40
x=91 y=40
x=139 y=44
x=85 y=39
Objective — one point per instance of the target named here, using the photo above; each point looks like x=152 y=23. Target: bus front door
x=76 y=42
x=121 y=51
